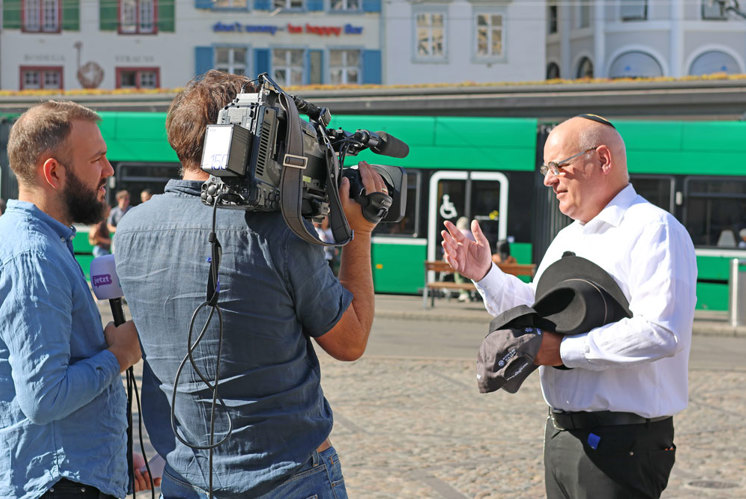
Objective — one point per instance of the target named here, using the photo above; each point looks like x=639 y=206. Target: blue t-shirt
x=62 y=403
x=276 y=291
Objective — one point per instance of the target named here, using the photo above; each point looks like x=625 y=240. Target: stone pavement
x=418 y=428
x=413 y=428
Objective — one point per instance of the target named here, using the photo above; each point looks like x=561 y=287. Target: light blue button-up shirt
x=62 y=403
x=276 y=291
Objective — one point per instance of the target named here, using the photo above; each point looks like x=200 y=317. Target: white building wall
x=524 y=27
x=108 y=49
x=674 y=34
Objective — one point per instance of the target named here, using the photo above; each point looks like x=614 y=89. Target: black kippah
x=597 y=119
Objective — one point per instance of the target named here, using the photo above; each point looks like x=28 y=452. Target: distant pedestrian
x=99 y=237
x=145 y=195
x=615 y=388
x=2 y=206
x=742 y=235
x=122 y=207
x=502 y=253
x=331 y=253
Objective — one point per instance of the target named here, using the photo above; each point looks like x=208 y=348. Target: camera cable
x=213 y=292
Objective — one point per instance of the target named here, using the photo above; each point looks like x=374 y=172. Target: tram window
x=408 y=225
x=714 y=206
x=135 y=177
x=657 y=190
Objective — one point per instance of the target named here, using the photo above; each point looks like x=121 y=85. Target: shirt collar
x=31 y=210
x=613 y=213
x=188 y=187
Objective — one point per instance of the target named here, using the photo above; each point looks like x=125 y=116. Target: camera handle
x=291 y=183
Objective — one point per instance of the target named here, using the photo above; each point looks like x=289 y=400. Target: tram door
x=476 y=195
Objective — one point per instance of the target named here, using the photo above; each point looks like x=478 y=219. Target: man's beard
x=81 y=202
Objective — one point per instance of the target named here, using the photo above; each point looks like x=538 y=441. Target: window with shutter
x=137 y=17
x=42 y=16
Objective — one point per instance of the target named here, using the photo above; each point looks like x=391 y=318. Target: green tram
x=486 y=168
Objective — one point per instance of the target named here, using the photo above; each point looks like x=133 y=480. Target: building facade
x=297 y=42
x=453 y=41
x=149 y=44
x=643 y=38
x=73 y=44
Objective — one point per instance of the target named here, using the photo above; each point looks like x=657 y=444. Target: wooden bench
x=441 y=269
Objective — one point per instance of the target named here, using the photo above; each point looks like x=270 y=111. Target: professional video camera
x=262 y=157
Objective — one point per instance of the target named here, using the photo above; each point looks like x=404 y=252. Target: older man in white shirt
x=612 y=391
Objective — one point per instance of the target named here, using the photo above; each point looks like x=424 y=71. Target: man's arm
x=349 y=337
x=110 y=220
x=49 y=384
x=662 y=281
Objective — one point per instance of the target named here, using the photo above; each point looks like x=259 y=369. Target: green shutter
x=108 y=15
x=166 y=13
x=12 y=14
x=71 y=15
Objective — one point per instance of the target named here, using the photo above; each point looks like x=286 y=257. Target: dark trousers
x=623 y=461
x=66 y=489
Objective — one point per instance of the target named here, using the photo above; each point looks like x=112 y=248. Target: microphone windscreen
x=391 y=146
x=104 y=280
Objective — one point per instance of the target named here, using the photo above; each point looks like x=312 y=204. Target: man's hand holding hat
x=549 y=351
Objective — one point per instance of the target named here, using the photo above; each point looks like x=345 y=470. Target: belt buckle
x=556 y=424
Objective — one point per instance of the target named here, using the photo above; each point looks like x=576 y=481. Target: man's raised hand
x=472 y=259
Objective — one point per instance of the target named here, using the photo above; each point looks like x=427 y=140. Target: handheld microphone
x=105 y=284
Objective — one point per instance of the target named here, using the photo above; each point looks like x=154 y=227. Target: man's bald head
x=586 y=184
x=588 y=133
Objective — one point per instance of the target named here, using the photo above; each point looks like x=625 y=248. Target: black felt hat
x=573 y=295
x=576 y=295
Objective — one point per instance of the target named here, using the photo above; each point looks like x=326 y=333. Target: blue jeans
x=320 y=477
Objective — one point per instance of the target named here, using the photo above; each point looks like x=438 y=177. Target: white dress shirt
x=638 y=364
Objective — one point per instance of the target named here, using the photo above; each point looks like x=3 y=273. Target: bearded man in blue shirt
x=277 y=293
x=62 y=404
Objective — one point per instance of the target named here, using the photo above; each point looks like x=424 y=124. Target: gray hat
x=573 y=296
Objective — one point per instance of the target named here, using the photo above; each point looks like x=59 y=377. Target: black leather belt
x=578 y=420
x=67 y=488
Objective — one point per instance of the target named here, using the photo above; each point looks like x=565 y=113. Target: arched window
x=553 y=71
x=585 y=68
x=635 y=64
x=714 y=61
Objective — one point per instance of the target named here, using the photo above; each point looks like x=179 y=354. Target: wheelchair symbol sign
x=447 y=209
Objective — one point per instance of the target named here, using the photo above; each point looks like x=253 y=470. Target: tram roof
x=716 y=97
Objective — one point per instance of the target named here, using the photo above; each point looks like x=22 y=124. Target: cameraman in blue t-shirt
x=276 y=293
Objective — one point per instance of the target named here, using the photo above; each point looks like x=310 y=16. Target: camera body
x=246 y=151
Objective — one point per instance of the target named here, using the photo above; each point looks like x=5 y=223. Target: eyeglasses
x=554 y=166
